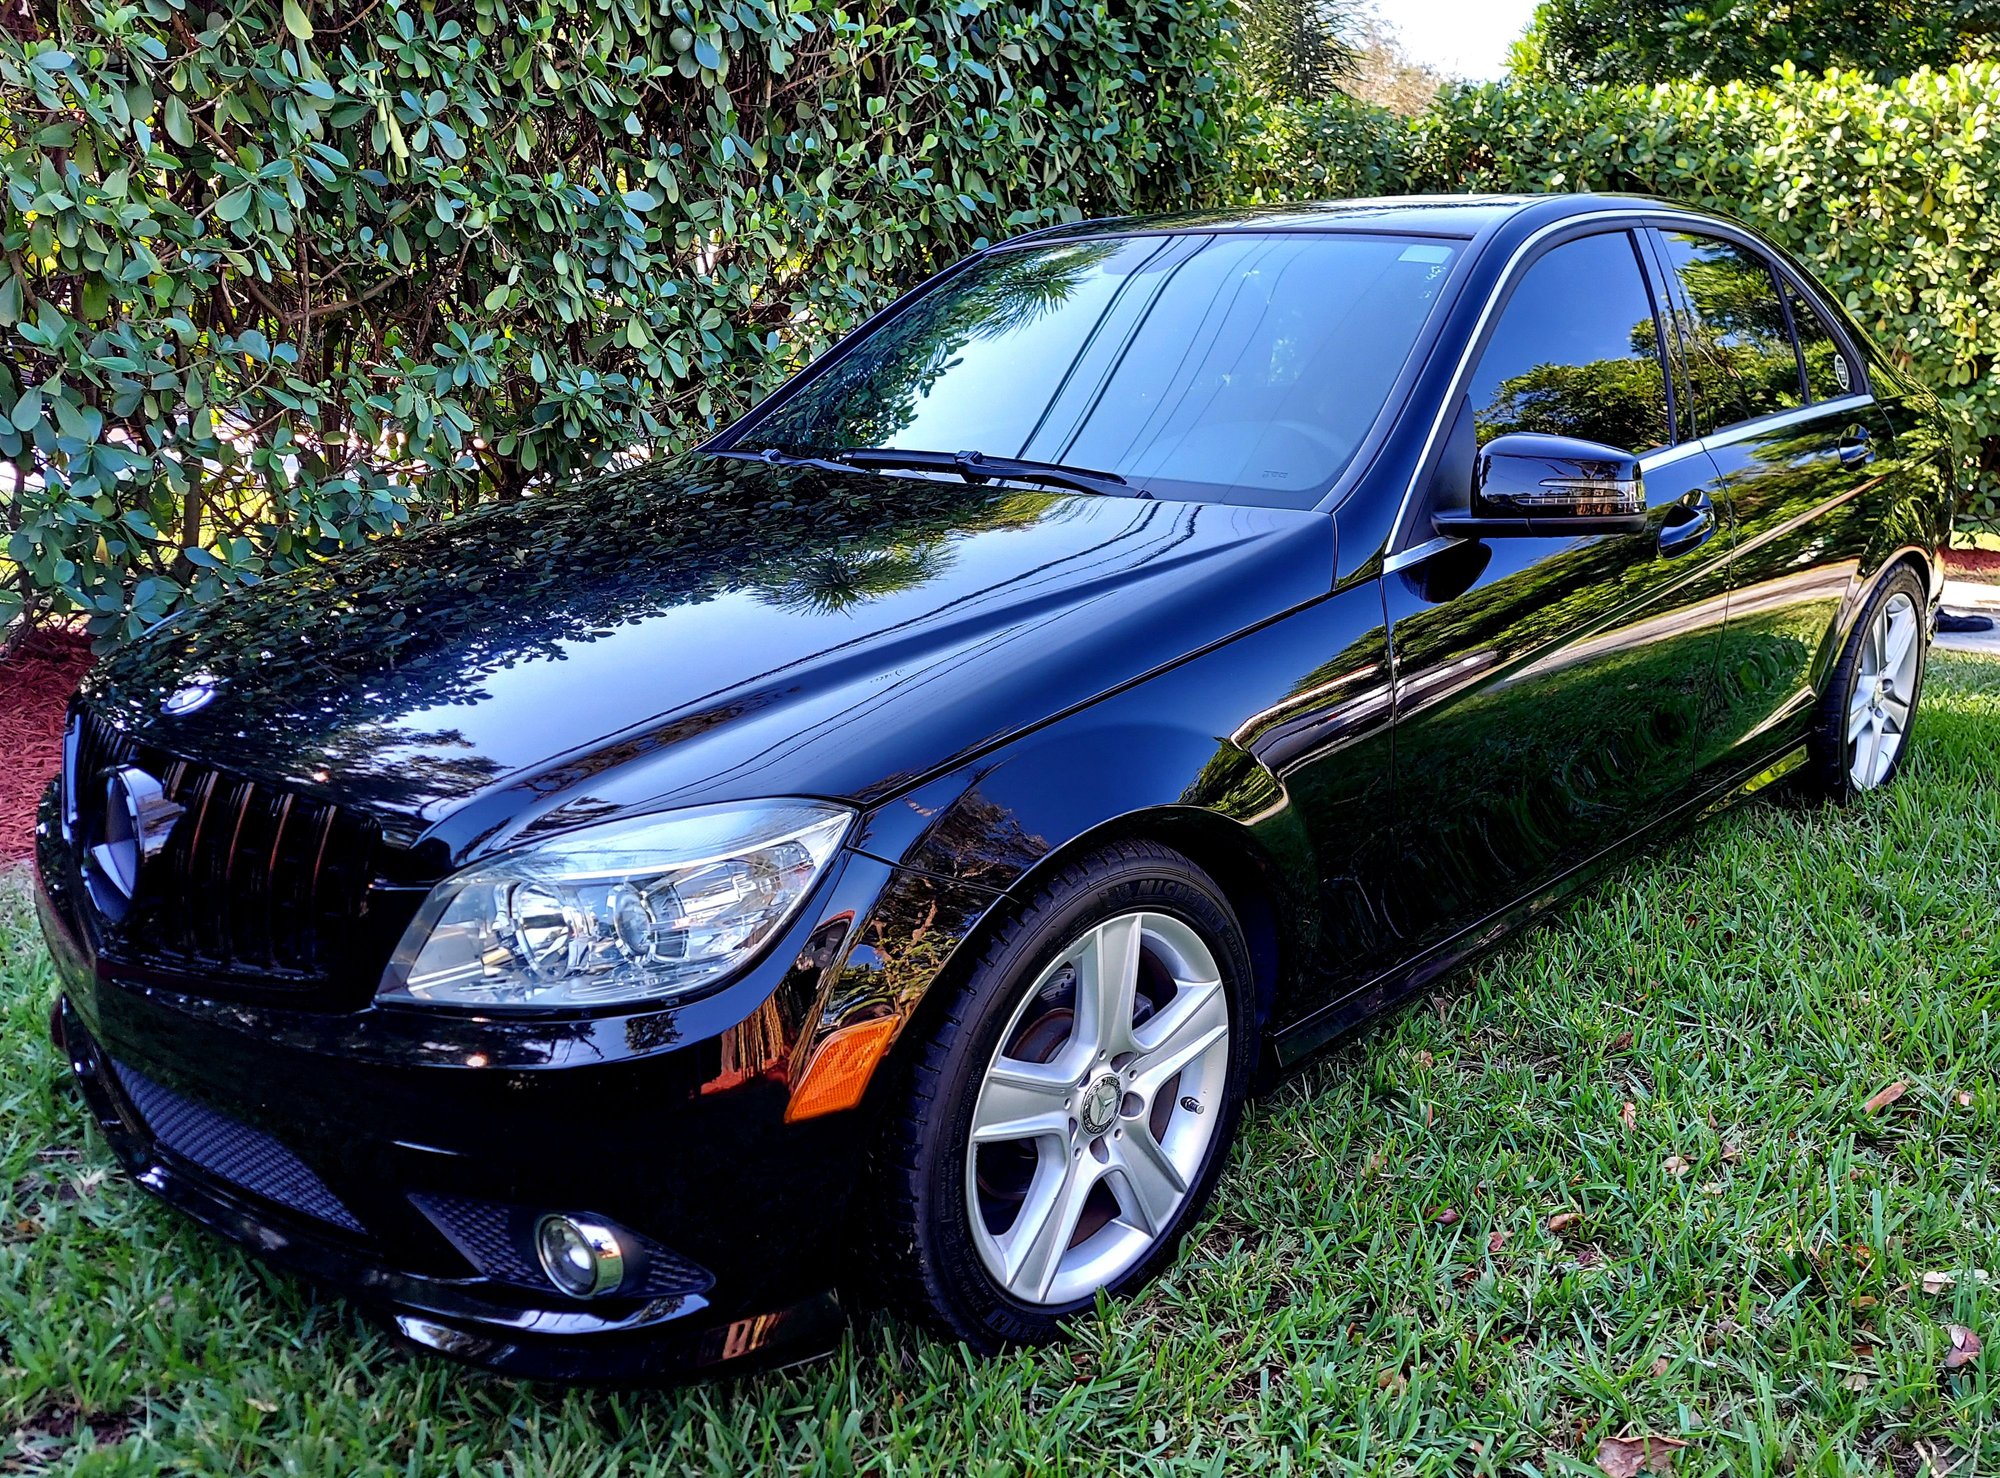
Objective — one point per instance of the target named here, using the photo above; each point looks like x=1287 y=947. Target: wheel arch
x=1920 y=561
x=1247 y=840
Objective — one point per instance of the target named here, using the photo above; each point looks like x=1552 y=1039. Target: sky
x=1464 y=38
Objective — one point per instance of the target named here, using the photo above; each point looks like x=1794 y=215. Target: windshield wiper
x=978 y=467
x=974 y=467
x=778 y=458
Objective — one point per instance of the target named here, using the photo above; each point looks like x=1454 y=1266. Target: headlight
x=633 y=910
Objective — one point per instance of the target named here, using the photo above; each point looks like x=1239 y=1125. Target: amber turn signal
x=838 y=1072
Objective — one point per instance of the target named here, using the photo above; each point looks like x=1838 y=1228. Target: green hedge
x=281 y=276
x=1337 y=148
x=1890 y=192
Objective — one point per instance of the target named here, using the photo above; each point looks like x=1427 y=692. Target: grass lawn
x=1680 y=1063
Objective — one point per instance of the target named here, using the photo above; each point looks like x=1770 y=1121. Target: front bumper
x=403 y=1156
x=465 y=1317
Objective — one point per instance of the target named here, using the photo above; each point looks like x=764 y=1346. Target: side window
x=1828 y=374
x=1739 y=351
x=1577 y=352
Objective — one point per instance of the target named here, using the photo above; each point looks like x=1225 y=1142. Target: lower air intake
x=235 y=1152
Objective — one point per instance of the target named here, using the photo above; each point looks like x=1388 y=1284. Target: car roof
x=1465 y=216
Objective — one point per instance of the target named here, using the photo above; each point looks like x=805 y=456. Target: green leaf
x=27 y=413
x=234 y=205
x=297 y=21
x=180 y=127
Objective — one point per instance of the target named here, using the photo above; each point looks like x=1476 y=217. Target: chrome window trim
x=1746 y=430
x=1666 y=456
x=1417 y=553
x=1629 y=218
x=1777 y=420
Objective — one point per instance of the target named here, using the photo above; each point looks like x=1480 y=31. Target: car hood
x=699 y=630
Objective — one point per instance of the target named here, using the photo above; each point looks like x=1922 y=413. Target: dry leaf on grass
x=1944 y=1282
x=1856 y=1380
x=1628 y=1114
x=1886 y=1097
x=1675 y=1165
x=1620 y=1042
x=1964 y=1348
x=1445 y=1216
x=1563 y=1219
x=1628 y=1457
x=1495 y=1242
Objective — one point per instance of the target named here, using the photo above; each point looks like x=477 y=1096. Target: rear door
x=1549 y=690
x=1794 y=438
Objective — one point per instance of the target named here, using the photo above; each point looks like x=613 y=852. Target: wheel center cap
x=1099 y=1108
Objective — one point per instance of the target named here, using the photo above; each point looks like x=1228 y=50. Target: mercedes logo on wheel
x=1100 y=1105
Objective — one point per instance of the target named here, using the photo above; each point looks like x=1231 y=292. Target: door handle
x=1684 y=533
x=1853 y=448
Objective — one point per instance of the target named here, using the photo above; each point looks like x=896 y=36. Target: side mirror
x=1525 y=483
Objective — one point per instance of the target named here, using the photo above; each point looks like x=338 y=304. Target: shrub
x=1890 y=193
x=281 y=277
x=1318 y=151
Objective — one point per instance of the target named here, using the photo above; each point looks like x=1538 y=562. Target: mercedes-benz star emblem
x=137 y=817
x=196 y=692
x=1100 y=1105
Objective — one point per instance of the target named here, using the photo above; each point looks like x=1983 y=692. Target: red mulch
x=1984 y=562
x=35 y=684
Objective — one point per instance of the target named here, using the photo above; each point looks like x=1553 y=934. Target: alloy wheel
x=1098 y=1107
x=1885 y=688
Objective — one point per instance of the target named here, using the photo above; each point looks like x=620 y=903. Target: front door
x=1549 y=690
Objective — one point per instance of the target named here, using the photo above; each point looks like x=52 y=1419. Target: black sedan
x=881 y=849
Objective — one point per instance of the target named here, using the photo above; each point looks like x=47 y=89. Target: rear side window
x=1828 y=374
x=1577 y=351
x=1739 y=350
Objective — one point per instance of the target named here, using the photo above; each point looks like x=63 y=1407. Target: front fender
x=1204 y=757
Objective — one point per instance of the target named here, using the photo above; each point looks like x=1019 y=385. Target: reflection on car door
x=1794 y=438
x=1548 y=690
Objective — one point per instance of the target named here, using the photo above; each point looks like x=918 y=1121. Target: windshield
x=1240 y=368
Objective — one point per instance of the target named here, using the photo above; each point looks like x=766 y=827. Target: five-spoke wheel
x=1884 y=691
x=1097 y=1108
x=1069 y=1112
x=1861 y=733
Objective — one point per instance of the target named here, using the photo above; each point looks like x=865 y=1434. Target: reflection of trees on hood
x=868 y=398
x=841 y=579
x=421 y=621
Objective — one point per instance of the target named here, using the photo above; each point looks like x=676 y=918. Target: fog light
x=582 y=1258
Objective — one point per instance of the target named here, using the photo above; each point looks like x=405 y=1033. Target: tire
x=952 y=1218
x=1861 y=734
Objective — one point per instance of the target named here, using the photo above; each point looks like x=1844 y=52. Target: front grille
x=243 y=1156
x=253 y=879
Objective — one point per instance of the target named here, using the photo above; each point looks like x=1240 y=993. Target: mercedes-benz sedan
x=879 y=850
